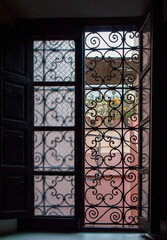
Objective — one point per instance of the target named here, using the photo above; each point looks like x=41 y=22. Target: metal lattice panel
x=54 y=61
x=54 y=114
x=54 y=195
x=54 y=106
x=54 y=150
x=111 y=128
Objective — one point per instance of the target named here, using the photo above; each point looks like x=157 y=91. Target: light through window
x=111 y=128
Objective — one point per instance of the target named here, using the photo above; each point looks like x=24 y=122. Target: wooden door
x=16 y=124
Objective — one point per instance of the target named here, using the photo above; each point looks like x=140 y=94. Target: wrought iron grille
x=54 y=150
x=54 y=128
x=111 y=128
x=54 y=61
x=54 y=195
x=54 y=106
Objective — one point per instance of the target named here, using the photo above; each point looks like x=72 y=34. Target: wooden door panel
x=16 y=125
x=14 y=55
x=13 y=193
x=14 y=140
x=14 y=101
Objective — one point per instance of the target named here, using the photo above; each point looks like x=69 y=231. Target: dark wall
x=162 y=112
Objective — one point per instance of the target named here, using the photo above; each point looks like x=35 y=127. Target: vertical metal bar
x=122 y=130
x=44 y=97
x=44 y=194
x=99 y=153
x=79 y=132
x=140 y=118
x=44 y=101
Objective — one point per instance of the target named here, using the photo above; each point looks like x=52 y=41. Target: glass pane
x=144 y=195
x=145 y=145
x=54 y=106
x=54 y=195
x=146 y=44
x=146 y=96
x=54 y=151
x=54 y=61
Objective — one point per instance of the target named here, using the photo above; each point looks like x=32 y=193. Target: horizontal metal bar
x=53 y=206
x=117 y=207
x=111 y=128
x=72 y=84
x=112 y=223
x=49 y=49
x=54 y=173
x=53 y=218
x=110 y=228
x=52 y=168
x=111 y=88
x=45 y=128
x=112 y=168
x=39 y=37
x=112 y=49
x=101 y=136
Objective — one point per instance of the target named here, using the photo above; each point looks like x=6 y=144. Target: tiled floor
x=76 y=236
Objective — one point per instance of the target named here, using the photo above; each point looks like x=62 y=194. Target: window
x=59 y=135
x=111 y=128
x=54 y=131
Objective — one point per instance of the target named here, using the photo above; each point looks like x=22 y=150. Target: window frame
x=75 y=28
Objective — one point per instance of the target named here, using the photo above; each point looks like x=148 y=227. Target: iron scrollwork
x=54 y=106
x=111 y=128
x=54 y=195
x=54 y=61
x=54 y=109
x=54 y=150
